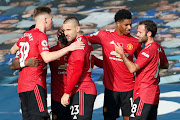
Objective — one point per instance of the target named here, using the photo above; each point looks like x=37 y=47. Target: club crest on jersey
x=129 y=46
x=44 y=43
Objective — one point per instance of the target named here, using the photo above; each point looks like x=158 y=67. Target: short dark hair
x=149 y=26
x=41 y=10
x=74 y=19
x=122 y=14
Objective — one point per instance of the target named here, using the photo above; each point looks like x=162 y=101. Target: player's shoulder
x=108 y=32
x=82 y=39
x=103 y=32
x=152 y=46
x=37 y=32
x=157 y=44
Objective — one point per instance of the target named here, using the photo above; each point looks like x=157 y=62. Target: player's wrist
x=22 y=64
x=123 y=55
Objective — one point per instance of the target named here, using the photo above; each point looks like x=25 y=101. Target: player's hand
x=118 y=49
x=76 y=46
x=65 y=99
x=32 y=62
x=60 y=31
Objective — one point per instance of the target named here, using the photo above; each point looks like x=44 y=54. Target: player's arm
x=31 y=62
x=51 y=56
x=132 y=67
x=165 y=66
x=14 y=49
x=74 y=75
x=163 y=60
x=98 y=62
x=95 y=38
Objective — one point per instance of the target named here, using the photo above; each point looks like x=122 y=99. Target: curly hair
x=122 y=14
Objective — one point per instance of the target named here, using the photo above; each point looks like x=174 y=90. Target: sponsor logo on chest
x=115 y=56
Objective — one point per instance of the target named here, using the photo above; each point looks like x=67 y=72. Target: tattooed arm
x=31 y=62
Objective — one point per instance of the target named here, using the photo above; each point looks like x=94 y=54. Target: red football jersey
x=79 y=70
x=58 y=74
x=147 y=79
x=116 y=75
x=31 y=44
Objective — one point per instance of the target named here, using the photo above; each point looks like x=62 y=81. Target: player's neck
x=150 y=40
x=120 y=33
x=79 y=35
x=41 y=28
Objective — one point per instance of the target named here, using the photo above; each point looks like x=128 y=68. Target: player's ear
x=118 y=23
x=78 y=28
x=149 y=33
x=46 y=19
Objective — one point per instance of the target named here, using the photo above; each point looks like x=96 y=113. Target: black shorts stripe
x=81 y=105
x=38 y=99
x=114 y=101
x=81 y=102
x=143 y=111
x=34 y=103
x=140 y=107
